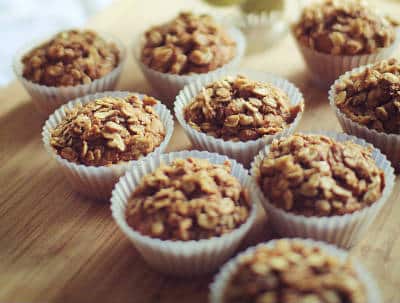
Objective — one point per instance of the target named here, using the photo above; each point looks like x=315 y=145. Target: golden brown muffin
x=71 y=58
x=314 y=175
x=344 y=27
x=371 y=97
x=190 y=199
x=188 y=44
x=240 y=109
x=108 y=130
x=292 y=272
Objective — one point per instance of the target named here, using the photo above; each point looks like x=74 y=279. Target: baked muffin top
x=71 y=58
x=240 y=109
x=293 y=272
x=187 y=44
x=344 y=27
x=109 y=130
x=314 y=175
x=189 y=199
x=371 y=97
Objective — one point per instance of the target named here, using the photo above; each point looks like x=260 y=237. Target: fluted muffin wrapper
x=326 y=68
x=48 y=98
x=243 y=152
x=168 y=85
x=98 y=181
x=221 y=280
x=261 y=30
x=181 y=258
x=343 y=231
x=389 y=144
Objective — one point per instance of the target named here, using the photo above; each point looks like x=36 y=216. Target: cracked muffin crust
x=189 y=199
x=239 y=109
x=371 y=97
x=109 y=130
x=71 y=58
x=344 y=27
x=293 y=272
x=313 y=175
x=188 y=44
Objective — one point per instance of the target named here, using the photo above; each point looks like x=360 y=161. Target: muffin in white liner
x=389 y=144
x=221 y=280
x=182 y=258
x=168 y=85
x=98 y=181
x=49 y=98
x=326 y=68
x=343 y=231
x=243 y=152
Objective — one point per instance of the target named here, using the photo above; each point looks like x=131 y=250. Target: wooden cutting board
x=56 y=246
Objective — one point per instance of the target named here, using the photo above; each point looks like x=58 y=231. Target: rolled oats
x=239 y=109
x=344 y=27
x=190 y=199
x=70 y=58
x=188 y=44
x=372 y=97
x=314 y=175
x=108 y=130
x=291 y=272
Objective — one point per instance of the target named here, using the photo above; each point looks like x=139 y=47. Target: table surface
x=57 y=246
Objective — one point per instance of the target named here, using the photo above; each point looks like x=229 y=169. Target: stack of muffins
x=187 y=212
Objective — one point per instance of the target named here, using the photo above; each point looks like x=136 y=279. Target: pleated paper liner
x=343 y=231
x=181 y=258
x=326 y=68
x=98 y=181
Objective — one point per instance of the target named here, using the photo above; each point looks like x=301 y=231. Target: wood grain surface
x=56 y=246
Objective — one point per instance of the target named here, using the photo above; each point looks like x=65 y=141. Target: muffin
x=367 y=102
x=186 y=212
x=312 y=179
x=237 y=116
x=95 y=138
x=336 y=36
x=190 y=199
x=68 y=65
x=293 y=271
x=188 y=47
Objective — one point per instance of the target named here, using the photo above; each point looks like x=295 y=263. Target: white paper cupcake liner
x=261 y=30
x=168 y=85
x=182 y=258
x=221 y=280
x=389 y=144
x=343 y=231
x=98 y=181
x=326 y=68
x=49 y=98
x=243 y=152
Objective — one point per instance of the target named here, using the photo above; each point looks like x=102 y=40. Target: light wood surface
x=56 y=246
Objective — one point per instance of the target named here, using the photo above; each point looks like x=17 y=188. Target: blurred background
x=24 y=20
x=21 y=21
